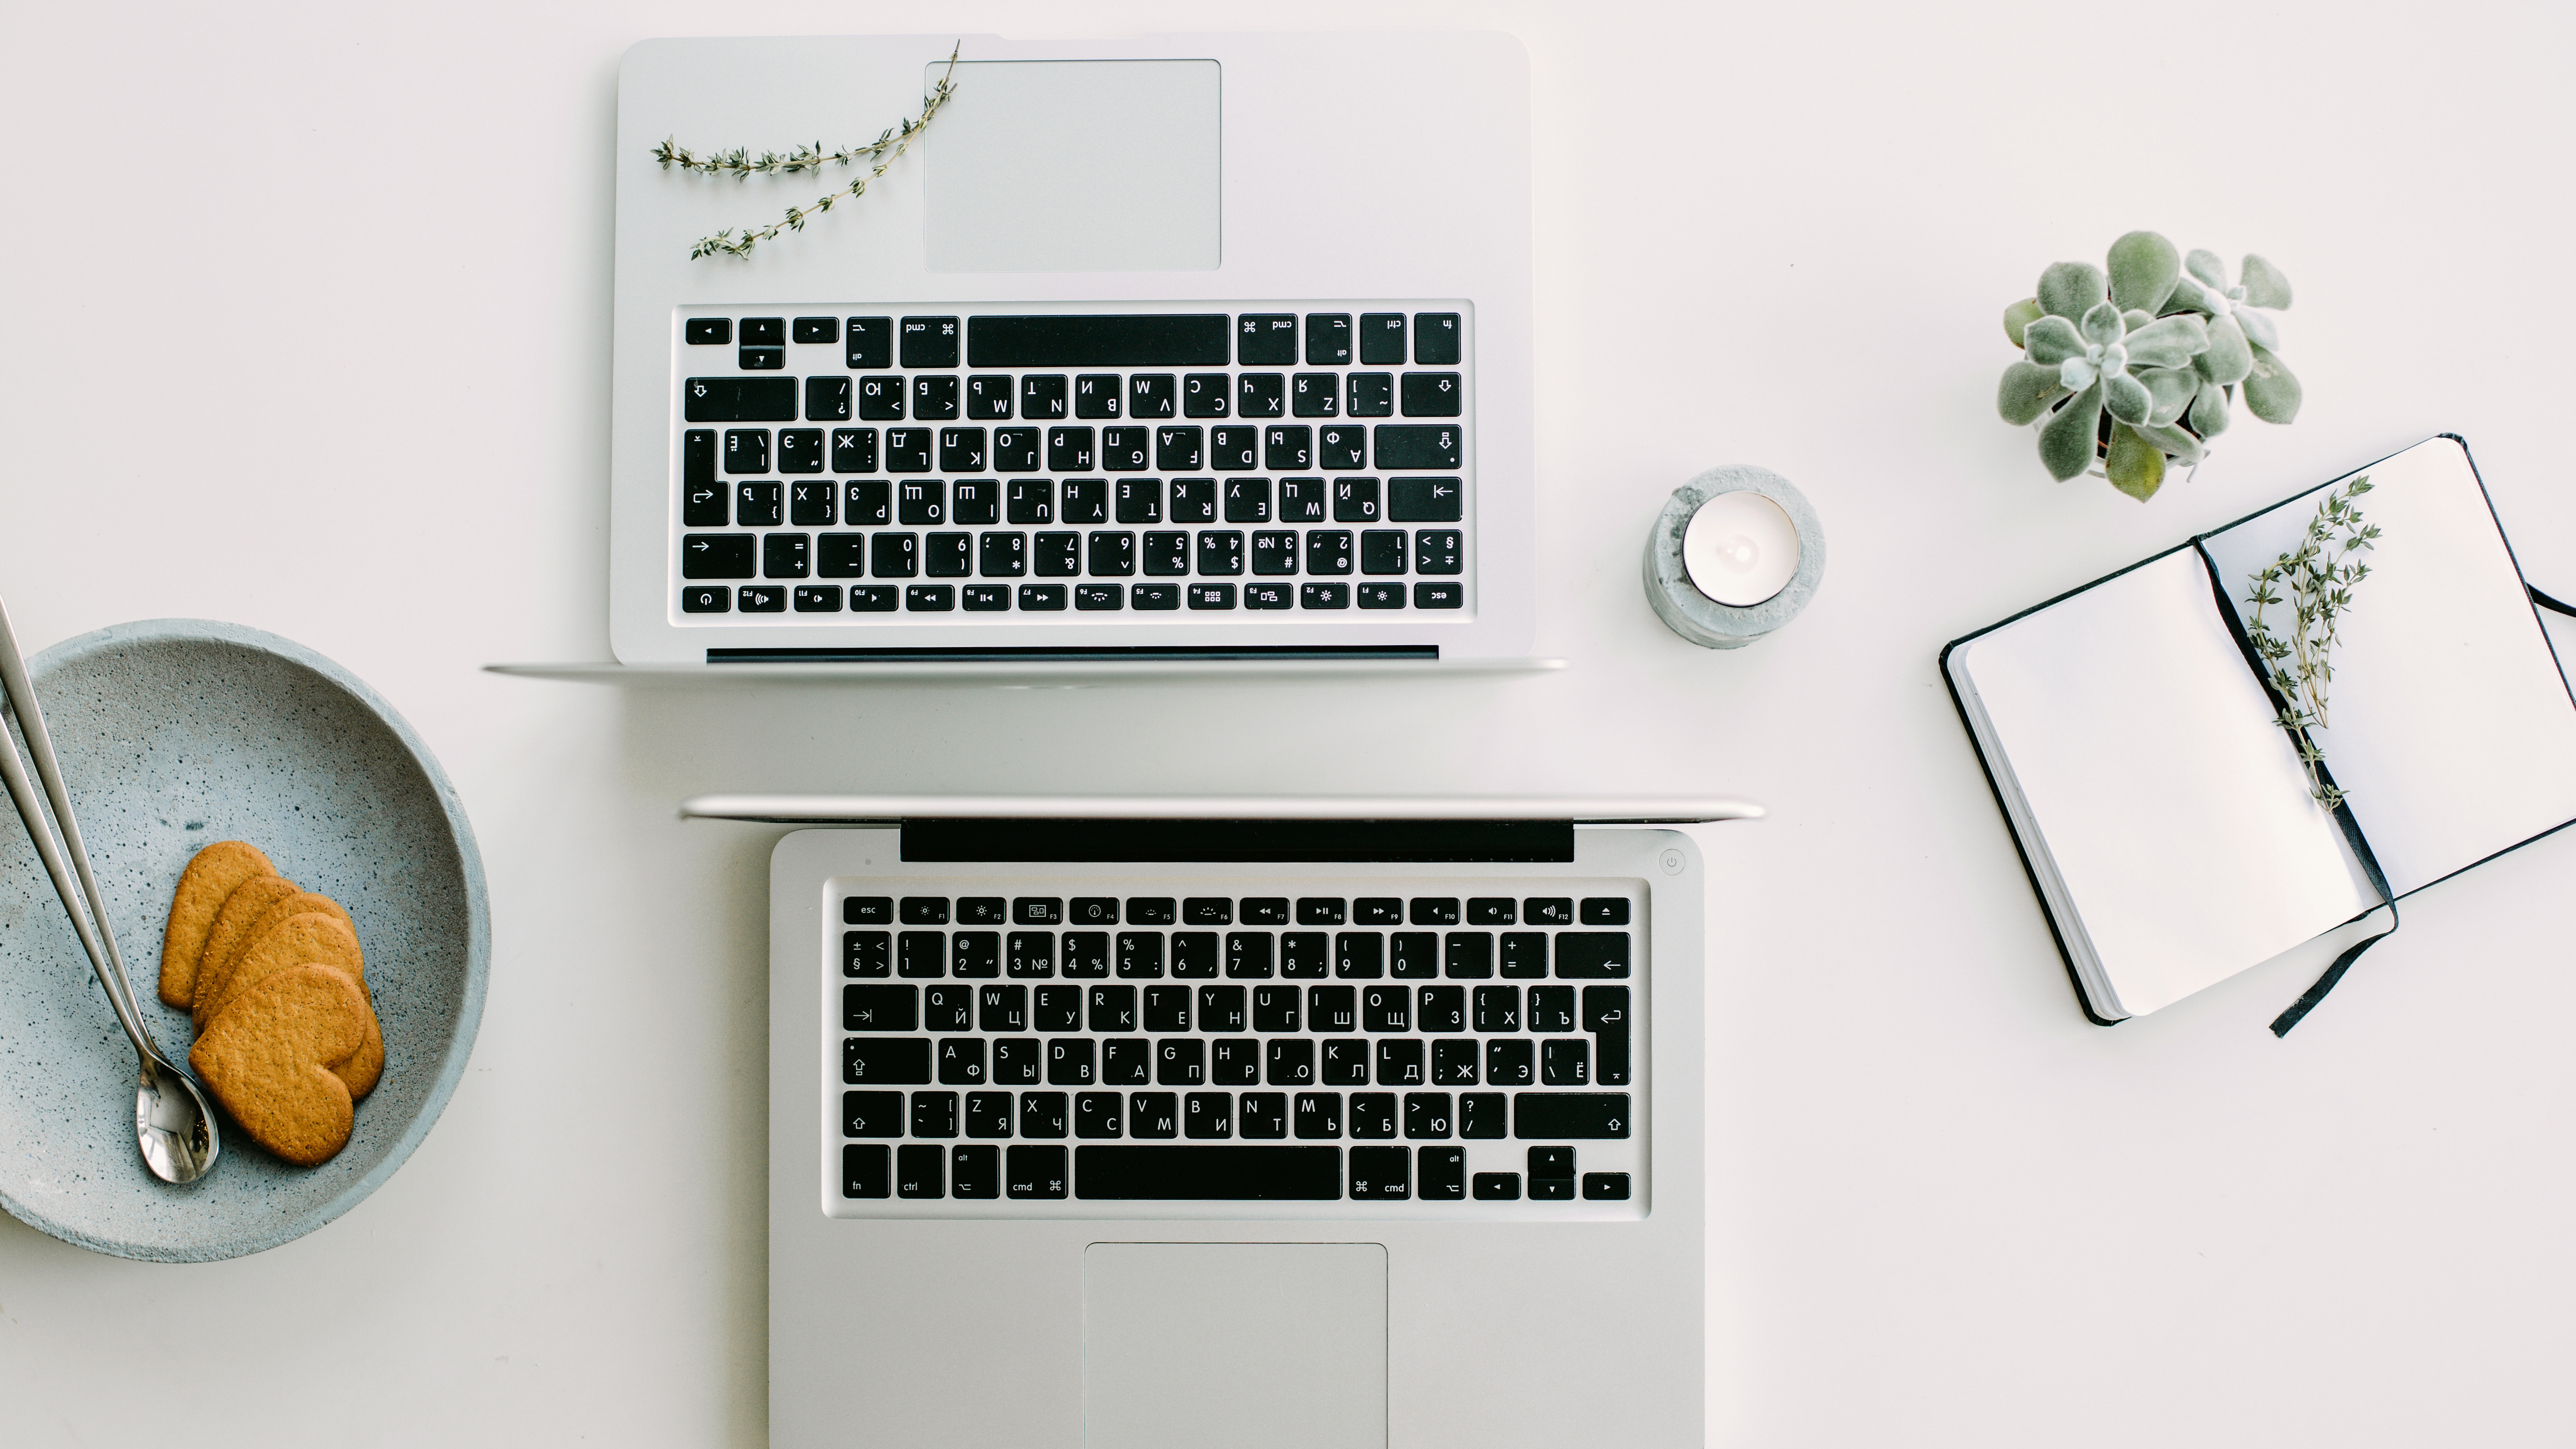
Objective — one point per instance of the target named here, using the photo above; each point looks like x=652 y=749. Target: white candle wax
x=1740 y=548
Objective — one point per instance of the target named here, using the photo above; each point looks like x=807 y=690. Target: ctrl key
x=866 y=1170
x=920 y=1170
x=1034 y=1172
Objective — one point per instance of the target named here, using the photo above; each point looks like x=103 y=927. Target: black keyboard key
x=1234 y=1061
x=759 y=505
x=872 y=1114
x=880 y=1008
x=1072 y=1061
x=1288 y=448
x=1435 y=910
x=1438 y=551
x=1247 y=500
x=1266 y=339
x=1551 y=1163
x=761 y=359
x=1275 y=1009
x=934 y=1114
x=1332 y=1008
x=1440 y=1173
x=894 y=555
x=1551 y=1008
x=1167 y=1009
x=1154 y=1114
x=1605 y=1186
x=1381 y=1174
x=1605 y=910
x=1569 y=1116
x=1274 y=552
x=854 y=450
x=746 y=450
x=1413 y=955
x=1045 y=395
x=1605 y=1015
x=1262 y=1116
x=930 y=598
x=1099 y=1115
x=1194 y=955
x=1265 y=910
x=1154 y=910
x=1315 y=395
x=907 y=450
x=1551 y=1189
x=703 y=500
x=764 y=331
x=1057 y=1008
x=1432 y=394
x=1399 y=1062
x=1342 y=448
x=1139 y=500
x=1591 y=954
x=784 y=555
x=1345 y=1064
x=975 y=1171
x=1152 y=395
x=1498 y=1187
x=1261 y=395
x=1191 y=1172
x=816 y=329
x=867 y=911
x=1355 y=500
x=868 y=343
x=1453 y=1063
x=918 y=1169
x=872 y=599
x=932 y=342
x=1411 y=445
x=1110 y=1008
x=961 y=450
x=1001 y=1008
x=866 y=1171
x=1383 y=551
x=881 y=399
x=948 y=1008
x=739 y=399
x=867 y=953
x=1177 y=448
x=1566 y=1062
x=1018 y=1061
x=768 y=599
x=1386 y=1008
x=1095 y=395
x=827 y=400
x=988 y=398
x=1044 y=1114
x=1203 y=395
x=1123 y=450
x=1233 y=448
x=812 y=505
x=1510 y=1063
x=1441 y=1008
x=1147 y=340
x=1427 y=1116
x=1373 y=1115
x=1372 y=394
x=976 y=953
x=1301 y=500
x=1498 y=1008
x=1382 y=339
x=1030 y=500
x=710 y=331
x=1328 y=339
x=1207 y=1115
x=1056 y=555
x=1221 y=1009
x=1034 y=1172
x=1436 y=339
x=895 y=1061
x=716 y=556
x=924 y=502
x=1289 y=1062
x=1481 y=1116
x=1266 y=596
x=1069 y=450
x=1248 y=955
x=1423 y=500
x=1029 y=953
x=1156 y=596
x=1316 y=1115
x=1194 y=500
x=1086 y=500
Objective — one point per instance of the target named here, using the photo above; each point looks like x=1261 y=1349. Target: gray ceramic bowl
x=175 y=733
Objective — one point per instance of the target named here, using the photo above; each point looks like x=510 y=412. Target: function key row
x=1056 y=598
x=1267 y=339
x=1223 y=911
x=1255 y=955
x=1045 y=397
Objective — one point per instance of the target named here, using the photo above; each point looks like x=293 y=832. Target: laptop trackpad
x=1249 y=1345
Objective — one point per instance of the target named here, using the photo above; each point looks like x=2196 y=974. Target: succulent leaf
x=2182 y=447
x=2136 y=317
x=2127 y=399
x=2168 y=342
x=2258 y=328
x=2020 y=315
x=2066 y=441
x=2272 y=393
x=2052 y=340
x=2208 y=415
x=2264 y=284
x=2135 y=466
x=2027 y=390
x=2101 y=325
x=2144 y=268
x=2228 y=359
x=2190 y=296
x=2173 y=388
x=2069 y=289
x=2205 y=265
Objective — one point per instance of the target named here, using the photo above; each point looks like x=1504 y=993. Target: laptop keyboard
x=1307 y=463
x=1091 y=1048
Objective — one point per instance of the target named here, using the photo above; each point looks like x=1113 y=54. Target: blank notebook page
x=2175 y=811
x=2451 y=726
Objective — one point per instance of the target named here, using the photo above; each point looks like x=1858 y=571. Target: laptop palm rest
x=1249 y=1345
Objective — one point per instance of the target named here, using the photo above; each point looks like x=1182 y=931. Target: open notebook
x=2164 y=815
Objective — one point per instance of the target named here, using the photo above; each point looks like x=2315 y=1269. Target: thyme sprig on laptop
x=2319 y=574
x=741 y=165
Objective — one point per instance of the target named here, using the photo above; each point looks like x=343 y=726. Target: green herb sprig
x=2319 y=574
x=741 y=165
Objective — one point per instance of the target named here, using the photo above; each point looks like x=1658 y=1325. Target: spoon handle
x=98 y=941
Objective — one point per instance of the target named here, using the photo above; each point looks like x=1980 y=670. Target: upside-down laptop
x=1163 y=1123
x=1182 y=347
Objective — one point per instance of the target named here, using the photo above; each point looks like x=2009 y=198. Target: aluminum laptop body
x=1105 y=1307
x=1211 y=347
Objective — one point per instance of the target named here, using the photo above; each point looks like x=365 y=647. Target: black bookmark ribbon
x=2552 y=605
x=2351 y=828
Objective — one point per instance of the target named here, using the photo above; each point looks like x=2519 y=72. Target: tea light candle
x=1736 y=554
x=1740 y=548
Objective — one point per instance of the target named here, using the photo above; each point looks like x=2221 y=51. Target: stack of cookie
x=274 y=978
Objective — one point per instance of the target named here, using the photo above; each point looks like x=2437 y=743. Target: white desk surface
x=307 y=329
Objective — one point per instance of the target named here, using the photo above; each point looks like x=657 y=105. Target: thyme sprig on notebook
x=2319 y=575
x=741 y=165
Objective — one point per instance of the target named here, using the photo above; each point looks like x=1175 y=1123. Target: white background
x=306 y=327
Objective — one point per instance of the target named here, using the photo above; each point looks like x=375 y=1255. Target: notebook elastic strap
x=2351 y=828
x=2553 y=605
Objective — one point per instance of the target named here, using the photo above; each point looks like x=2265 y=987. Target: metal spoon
x=172 y=1123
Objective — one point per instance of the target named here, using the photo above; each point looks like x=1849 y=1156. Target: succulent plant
x=2134 y=365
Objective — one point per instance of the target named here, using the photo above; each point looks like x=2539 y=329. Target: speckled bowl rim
x=478 y=938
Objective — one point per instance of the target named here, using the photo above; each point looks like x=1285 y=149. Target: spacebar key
x=1210 y=1173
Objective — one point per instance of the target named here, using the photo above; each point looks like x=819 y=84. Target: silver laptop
x=1316 y=1123
x=1197 y=347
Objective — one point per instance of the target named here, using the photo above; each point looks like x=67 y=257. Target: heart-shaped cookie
x=215 y=975
x=211 y=877
x=268 y=1059
x=311 y=938
x=242 y=909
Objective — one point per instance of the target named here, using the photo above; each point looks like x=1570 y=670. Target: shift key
x=1569 y=1116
